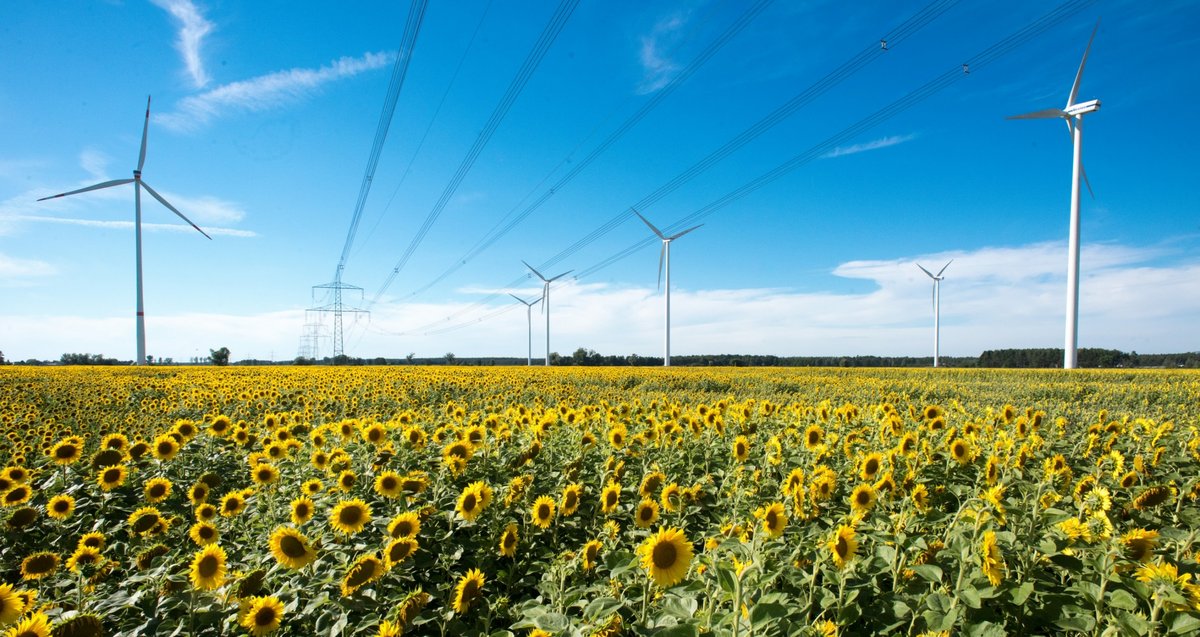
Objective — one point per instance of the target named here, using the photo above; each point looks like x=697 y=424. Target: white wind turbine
x=1073 y=114
x=937 y=303
x=138 y=184
x=664 y=257
x=546 y=301
x=529 y=323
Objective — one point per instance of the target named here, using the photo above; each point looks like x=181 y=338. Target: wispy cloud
x=128 y=225
x=95 y=163
x=15 y=271
x=192 y=29
x=266 y=91
x=657 y=67
x=871 y=145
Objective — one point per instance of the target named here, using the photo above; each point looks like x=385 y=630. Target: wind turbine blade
x=552 y=279
x=933 y=297
x=1082 y=63
x=107 y=184
x=1045 y=113
x=545 y=291
x=518 y=298
x=926 y=271
x=534 y=270
x=172 y=209
x=647 y=222
x=661 y=255
x=145 y=129
x=944 y=267
x=1086 y=182
x=676 y=236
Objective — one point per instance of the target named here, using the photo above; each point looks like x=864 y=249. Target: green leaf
x=900 y=609
x=1021 y=593
x=1068 y=562
x=1133 y=624
x=1122 y=599
x=1183 y=624
x=601 y=607
x=970 y=597
x=762 y=614
x=928 y=572
x=726 y=578
x=1077 y=623
x=680 y=607
x=986 y=629
x=678 y=630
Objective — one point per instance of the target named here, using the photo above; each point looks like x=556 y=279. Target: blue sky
x=263 y=117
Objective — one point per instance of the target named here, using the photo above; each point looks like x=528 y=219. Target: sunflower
x=961 y=451
x=773 y=519
x=264 y=473
x=389 y=484
x=363 y=571
x=991 y=471
x=198 y=493
x=570 y=499
x=406 y=524
x=23 y=517
x=1151 y=498
x=610 y=497
x=920 y=498
x=473 y=500
x=843 y=546
x=651 y=483
x=399 y=550
x=591 y=554
x=165 y=447
x=203 y=533
x=346 y=480
x=60 y=507
x=417 y=481
x=1129 y=479
x=35 y=625
x=741 y=449
x=84 y=556
x=95 y=539
x=990 y=558
x=262 y=615
x=408 y=610
x=205 y=512
x=814 y=437
x=110 y=478
x=15 y=474
x=11 y=605
x=666 y=556
x=144 y=521
x=350 y=516
x=870 y=466
x=862 y=498
x=469 y=587
x=647 y=513
x=302 y=510
x=291 y=548
x=208 y=568
x=311 y=487
x=542 y=513
x=508 y=540
x=156 y=490
x=232 y=504
x=1140 y=544
x=65 y=452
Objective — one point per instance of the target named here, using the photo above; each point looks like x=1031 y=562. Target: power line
x=535 y=56
x=985 y=57
x=914 y=23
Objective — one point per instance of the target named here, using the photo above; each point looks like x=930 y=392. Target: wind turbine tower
x=1073 y=114
x=138 y=184
x=937 y=304
x=546 y=302
x=664 y=258
x=529 y=325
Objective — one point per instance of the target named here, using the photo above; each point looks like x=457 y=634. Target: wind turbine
x=529 y=321
x=1073 y=114
x=937 y=303
x=546 y=302
x=664 y=257
x=138 y=184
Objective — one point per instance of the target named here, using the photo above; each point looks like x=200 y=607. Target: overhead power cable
x=982 y=59
x=416 y=12
x=897 y=35
x=535 y=56
x=509 y=221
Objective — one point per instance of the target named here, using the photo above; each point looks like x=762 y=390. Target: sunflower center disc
x=664 y=555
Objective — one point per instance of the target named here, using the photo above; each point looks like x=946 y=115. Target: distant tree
x=449 y=358
x=300 y=360
x=341 y=359
x=2 y=361
x=556 y=359
x=409 y=357
x=149 y=359
x=219 y=357
x=379 y=360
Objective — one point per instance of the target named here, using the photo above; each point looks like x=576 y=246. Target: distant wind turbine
x=1073 y=114
x=529 y=323
x=937 y=303
x=664 y=257
x=138 y=184
x=546 y=302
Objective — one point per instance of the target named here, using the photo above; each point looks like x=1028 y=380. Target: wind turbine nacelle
x=1082 y=108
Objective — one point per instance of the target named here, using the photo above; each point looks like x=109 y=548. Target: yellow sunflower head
x=208 y=568
x=843 y=546
x=542 y=513
x=350 y=516
x=469 y=587
x=666 y=556
x=261 y=615
x=508 y=540
x=407 y=524
x=646 y=514
x=400 y=549
x=291 y=548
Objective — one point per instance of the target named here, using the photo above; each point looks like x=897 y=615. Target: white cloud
x=128 y=225
x=1132 y=298
x=883 y=142
x=266 y=91
x=657 y=68
x=192 y=29
x=94 y=163
x=16 y=272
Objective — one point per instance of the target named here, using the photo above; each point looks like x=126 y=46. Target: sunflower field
x=527 y=501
